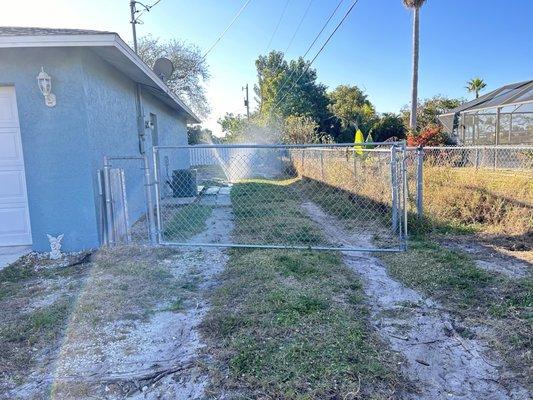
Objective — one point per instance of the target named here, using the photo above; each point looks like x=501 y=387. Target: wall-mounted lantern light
x=45 y=86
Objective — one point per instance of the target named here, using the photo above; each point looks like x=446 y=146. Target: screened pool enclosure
x=501 y=117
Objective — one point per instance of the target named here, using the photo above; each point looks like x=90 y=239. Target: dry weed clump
x=490 y=201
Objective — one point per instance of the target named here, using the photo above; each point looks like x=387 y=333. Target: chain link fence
x=488 y=188
x=283 y=196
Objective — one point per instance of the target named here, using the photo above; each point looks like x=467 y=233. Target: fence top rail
x=282 y=146
x=488 y=147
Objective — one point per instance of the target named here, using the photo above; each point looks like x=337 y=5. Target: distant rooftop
x=33 y=31
x=509 y=95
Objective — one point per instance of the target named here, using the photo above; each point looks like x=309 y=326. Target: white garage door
x=14 y=215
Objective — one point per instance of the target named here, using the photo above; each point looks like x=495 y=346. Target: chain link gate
x=275 y=192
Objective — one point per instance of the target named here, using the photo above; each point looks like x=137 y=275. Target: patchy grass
x=45 y=308
x=36 y=304
x=265 y=212
x=291 y=324
x=23 y=336
x=475 y=296
x=126 y=281
x=187 y=221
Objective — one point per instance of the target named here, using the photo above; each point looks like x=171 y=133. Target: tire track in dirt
x=440 y=362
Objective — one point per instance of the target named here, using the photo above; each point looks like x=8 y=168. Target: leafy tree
x=415 y=6
x=429 y=109
x=388 y=126
x=289 y=88
x=233 y=127
x=197 y=135
x=240 y=129
x=351 y=107
x=190 y=69
x=475 y=86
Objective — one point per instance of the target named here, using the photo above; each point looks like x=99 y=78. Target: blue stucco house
x=51 y=147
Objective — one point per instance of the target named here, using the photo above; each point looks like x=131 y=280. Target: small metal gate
x=283 y=196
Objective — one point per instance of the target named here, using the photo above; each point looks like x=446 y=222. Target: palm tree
x=415 y=5
x=475 y=86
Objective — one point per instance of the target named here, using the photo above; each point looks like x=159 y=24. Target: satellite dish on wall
x=163 y=68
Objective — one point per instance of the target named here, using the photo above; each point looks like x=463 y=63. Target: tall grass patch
x=484 y=200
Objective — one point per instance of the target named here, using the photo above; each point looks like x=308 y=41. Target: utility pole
x=247 y=101
x=133 y=22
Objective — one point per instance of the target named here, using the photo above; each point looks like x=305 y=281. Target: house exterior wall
x=64 y=146
x=53 y=141
x=112 y=128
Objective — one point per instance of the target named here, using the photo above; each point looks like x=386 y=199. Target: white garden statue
x=55 y=246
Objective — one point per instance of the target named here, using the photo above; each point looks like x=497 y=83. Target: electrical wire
x=299 y=25
x=317 y=54
x=310 y=47
x=146 y=8
x=277 y=25
x=227 y=28
x=323 y=27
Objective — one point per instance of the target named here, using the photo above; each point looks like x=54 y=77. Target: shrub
x=388 y=125
x=299 y=129
x=431 y=135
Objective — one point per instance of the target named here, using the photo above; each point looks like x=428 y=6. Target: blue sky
x=460 y=39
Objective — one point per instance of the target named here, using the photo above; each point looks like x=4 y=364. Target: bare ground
x=492 y=256
x=440 y=362
x=133 y=329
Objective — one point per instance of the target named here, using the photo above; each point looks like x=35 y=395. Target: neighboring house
x=501 y=117
x=49 y=156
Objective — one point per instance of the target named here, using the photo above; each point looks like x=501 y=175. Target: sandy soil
x=493 y=258
x=441 y=363
x=156 y=357
x=153 y=359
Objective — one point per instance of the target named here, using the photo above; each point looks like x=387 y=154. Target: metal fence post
x=322 y=164
x=405 y=188
x=108 y=205
x=354 y=165
x=394 y=183
x=149 y=205
x=420 y=181
x=157 y=192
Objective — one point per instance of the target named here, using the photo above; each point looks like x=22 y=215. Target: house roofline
x=96 y=40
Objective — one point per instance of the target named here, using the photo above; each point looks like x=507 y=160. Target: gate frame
x=397 y=151
x=108 y=234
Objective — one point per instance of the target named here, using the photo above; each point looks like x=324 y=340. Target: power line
x=318 y=53
x=227 y=28
x=311 y=45
x=277 y=25
x=299 y=25
x=323 y=27
x=146 y=8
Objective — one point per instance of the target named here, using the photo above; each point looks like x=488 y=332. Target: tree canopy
x=190 y=69
x=475 y=86
x=429 y=109
x=289 y=88
x=351 y=106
